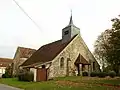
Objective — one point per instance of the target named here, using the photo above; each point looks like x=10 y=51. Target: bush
x=118 y=74
x=102 y=74
x=112 y=74
x=30 y=76
x=21 y=77
x=84 y=73
x=3 y=76
x=93 y=74
x=26 y=76
x=6 y=75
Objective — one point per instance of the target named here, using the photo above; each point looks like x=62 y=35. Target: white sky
x=16 y=29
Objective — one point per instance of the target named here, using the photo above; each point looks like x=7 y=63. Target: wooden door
x=41 y=74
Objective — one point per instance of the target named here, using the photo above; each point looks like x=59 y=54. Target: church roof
x=47 y=52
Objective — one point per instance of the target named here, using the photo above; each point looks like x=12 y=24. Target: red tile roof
x=4 y=62
x=26 y=52
x=46 y=53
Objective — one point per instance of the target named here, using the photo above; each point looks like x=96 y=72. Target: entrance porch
x=82 y=65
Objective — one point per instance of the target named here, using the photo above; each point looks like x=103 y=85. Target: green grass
x=66 y=83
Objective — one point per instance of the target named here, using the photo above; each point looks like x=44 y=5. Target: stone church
x=69 y=56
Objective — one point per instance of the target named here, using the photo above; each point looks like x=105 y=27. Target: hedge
x=26 y=76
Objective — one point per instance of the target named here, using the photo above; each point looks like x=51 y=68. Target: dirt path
x=77 y=84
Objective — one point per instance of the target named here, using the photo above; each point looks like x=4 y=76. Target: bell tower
x=69 y=31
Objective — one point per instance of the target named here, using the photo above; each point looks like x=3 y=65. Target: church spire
x=71 y=21
x=69 y=31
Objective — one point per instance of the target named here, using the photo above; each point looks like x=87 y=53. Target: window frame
x=62 y=62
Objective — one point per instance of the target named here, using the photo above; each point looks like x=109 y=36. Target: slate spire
x=71 y=21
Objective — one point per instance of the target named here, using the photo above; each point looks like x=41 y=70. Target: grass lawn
x=67 y=83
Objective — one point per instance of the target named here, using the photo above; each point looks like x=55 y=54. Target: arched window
x=62 y=62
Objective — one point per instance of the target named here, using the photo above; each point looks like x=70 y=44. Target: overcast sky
x=16 y=29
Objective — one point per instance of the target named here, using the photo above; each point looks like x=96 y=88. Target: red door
x=41 y=74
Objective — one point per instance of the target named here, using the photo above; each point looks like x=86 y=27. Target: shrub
x=112 y=74
x=21 y=76
x=84 y=73
x=26 y=76
x=102 y=74
x=6 y=75
x=118 y=74
x=3 y=76
x=29 y=76
x=93 y=74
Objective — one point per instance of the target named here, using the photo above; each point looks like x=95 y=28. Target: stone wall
x=17 y=61
x=70 y=54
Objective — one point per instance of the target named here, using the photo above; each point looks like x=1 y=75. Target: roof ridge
x=51 y=42
x=25 y=47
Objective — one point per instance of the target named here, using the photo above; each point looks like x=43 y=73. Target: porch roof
x=81 y=60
